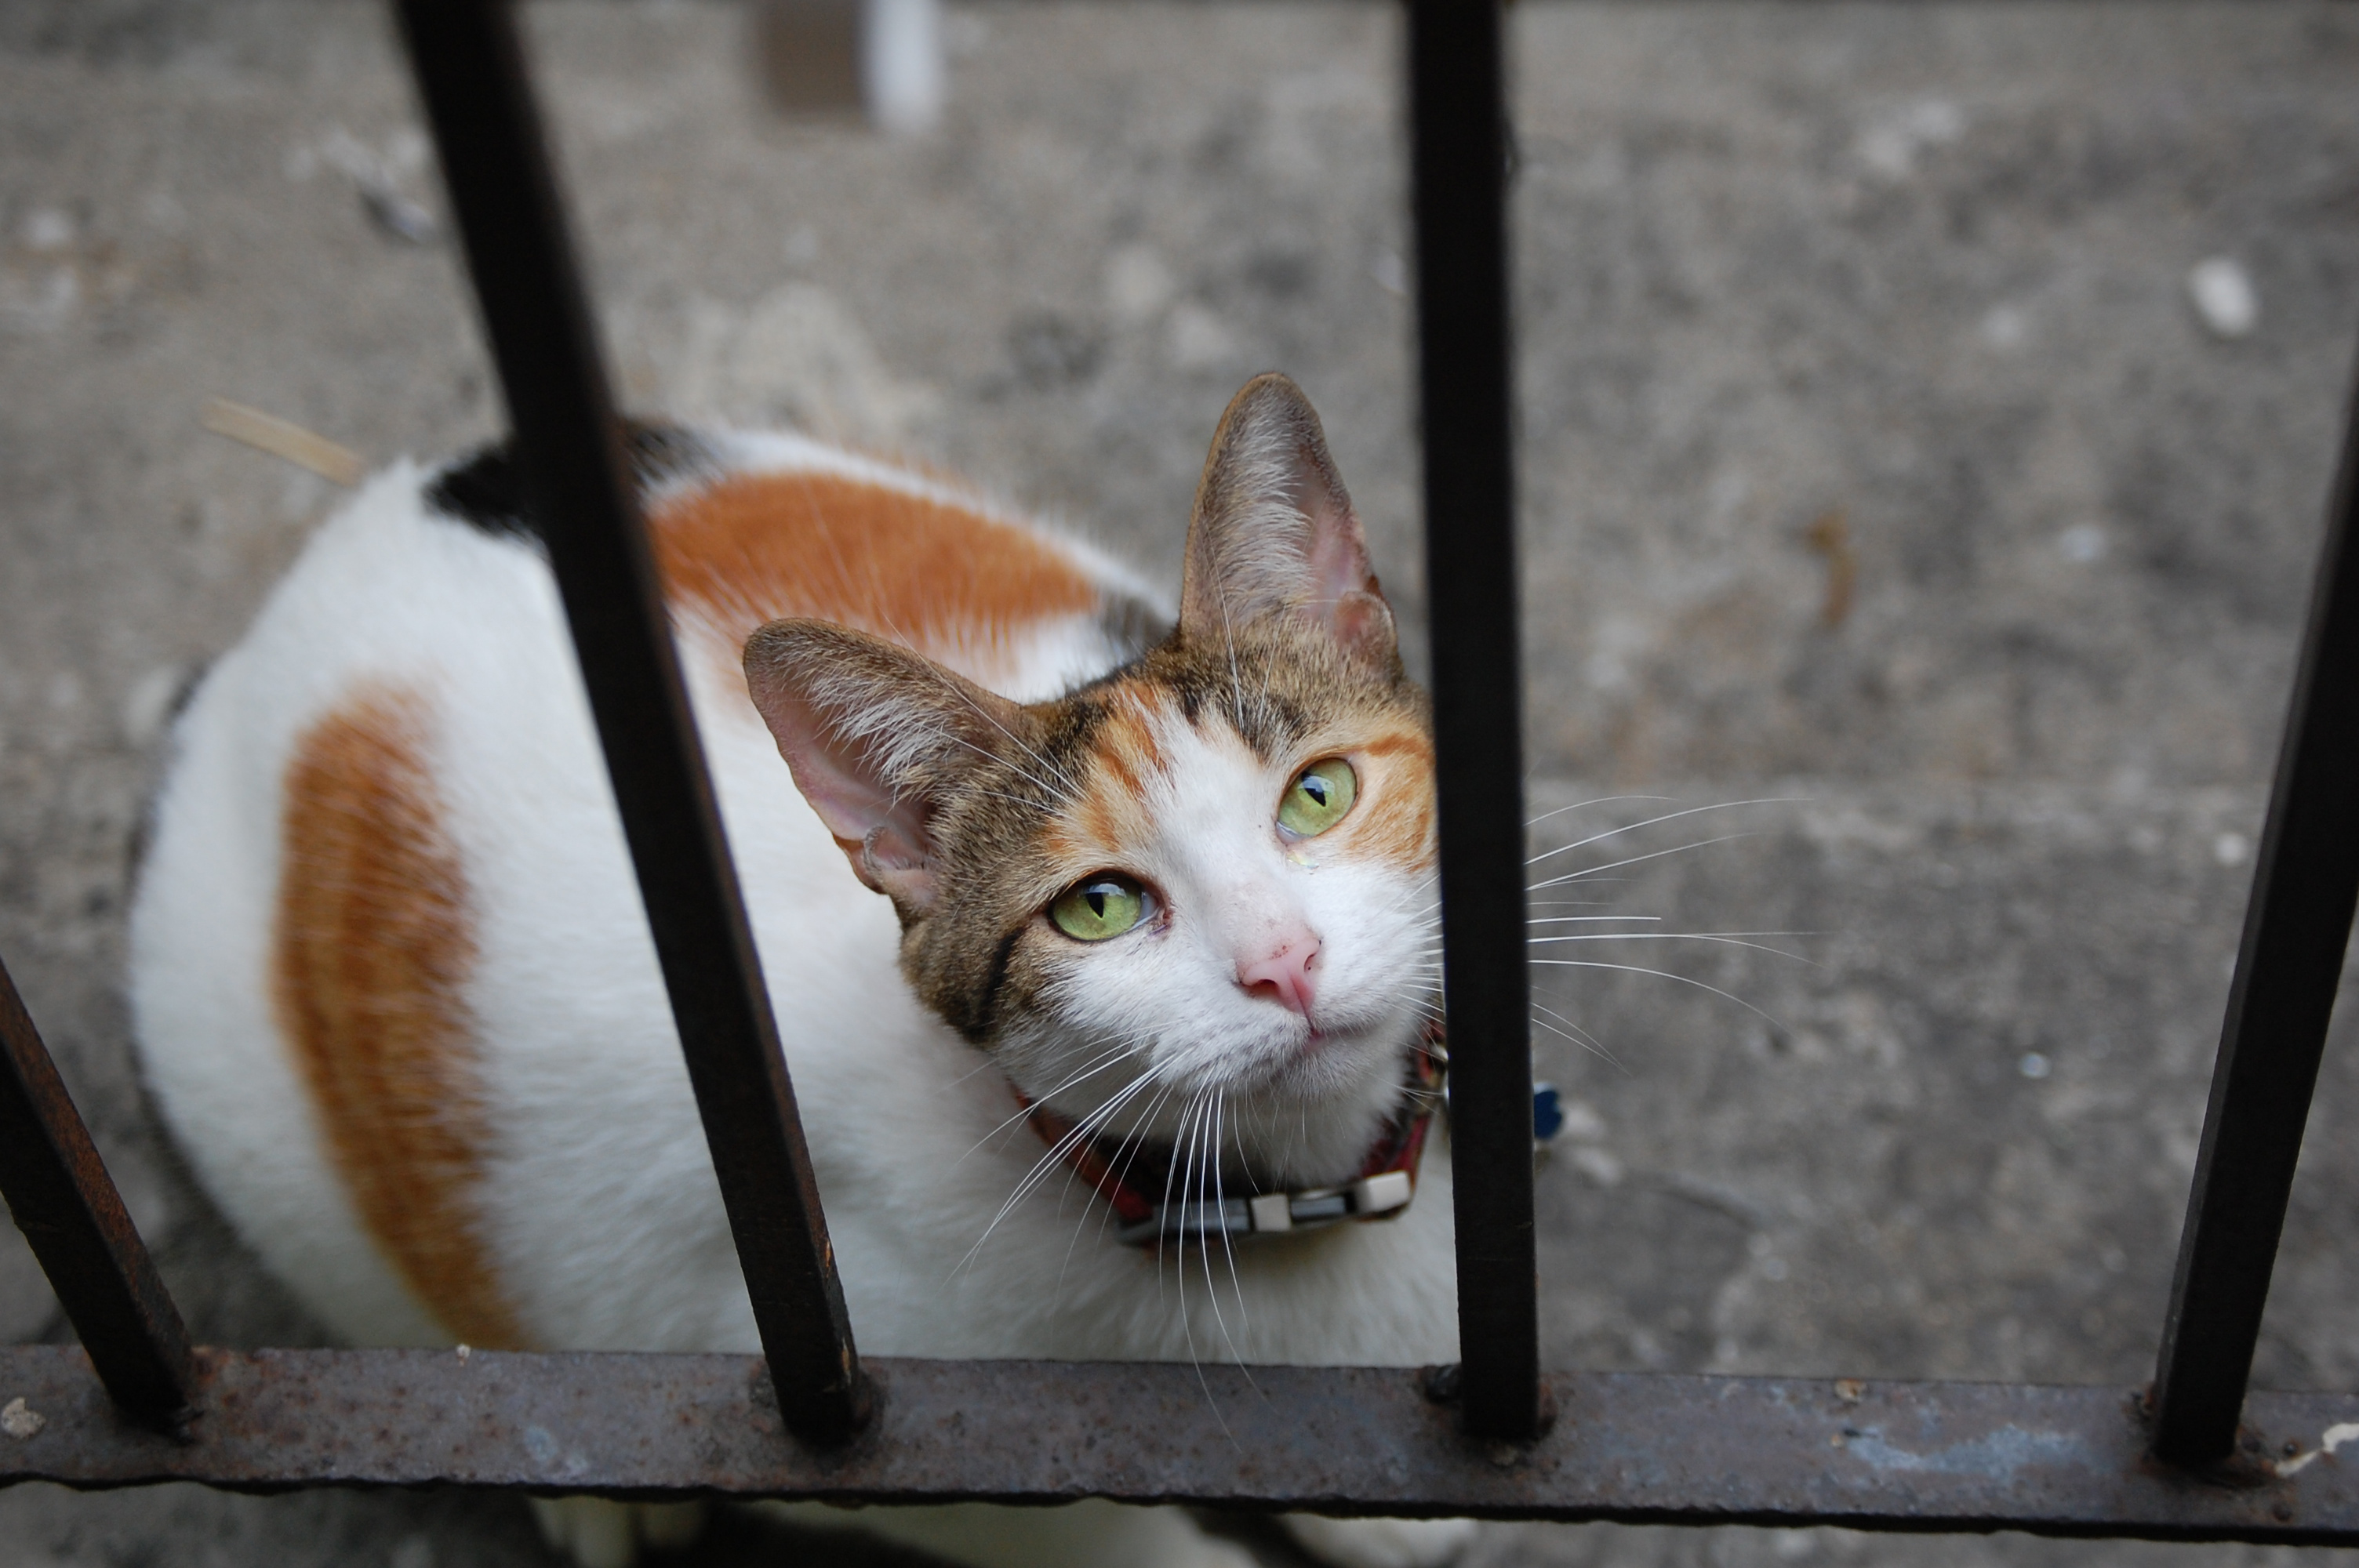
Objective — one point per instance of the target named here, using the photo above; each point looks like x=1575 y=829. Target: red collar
x=1135 y=1178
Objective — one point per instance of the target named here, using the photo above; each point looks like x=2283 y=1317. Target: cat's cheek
x=1377 y=925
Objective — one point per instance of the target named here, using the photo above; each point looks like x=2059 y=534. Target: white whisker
x=1651 y=821
x=1658 y=974
x=1635 y=859
x=1574 y=1033
x=1726 y=938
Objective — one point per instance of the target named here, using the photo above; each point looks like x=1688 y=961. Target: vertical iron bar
x=2290 y=959
x=64 y=1202
x=1459 y=169
x=470 y=72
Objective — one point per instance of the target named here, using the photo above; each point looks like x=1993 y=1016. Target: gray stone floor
x=1900 y=290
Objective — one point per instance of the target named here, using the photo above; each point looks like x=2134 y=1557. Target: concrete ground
x=1878 y=464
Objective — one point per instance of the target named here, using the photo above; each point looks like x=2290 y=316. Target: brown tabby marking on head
x=984 y=958
x=372 y=951
x=1109 y=810
x=947 y=579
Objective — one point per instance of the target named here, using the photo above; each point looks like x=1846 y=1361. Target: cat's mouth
x=1324 y=1056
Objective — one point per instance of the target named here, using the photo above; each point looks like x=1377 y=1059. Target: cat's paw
x=597 y=1534
x=1382 y=1542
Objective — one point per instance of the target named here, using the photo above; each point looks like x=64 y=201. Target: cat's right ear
x=877 y=738
x=1274 y=532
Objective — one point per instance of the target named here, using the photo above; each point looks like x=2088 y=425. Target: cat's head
x=1202 y=885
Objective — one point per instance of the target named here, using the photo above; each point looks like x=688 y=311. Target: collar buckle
x=1387 y=1179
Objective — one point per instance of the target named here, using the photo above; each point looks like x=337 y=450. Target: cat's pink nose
x=1285 y=976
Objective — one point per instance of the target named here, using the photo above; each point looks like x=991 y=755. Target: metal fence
x=2191 y=1457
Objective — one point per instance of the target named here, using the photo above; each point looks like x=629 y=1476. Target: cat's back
x=389 y=974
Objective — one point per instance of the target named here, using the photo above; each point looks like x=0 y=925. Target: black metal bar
x=470 y=72
x=1458 y=166
x=1651 y=1448
x=64 y=1202
x=2296 y=929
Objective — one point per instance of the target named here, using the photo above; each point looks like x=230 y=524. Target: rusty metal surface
x=1630 y=1446
x=65 y=1202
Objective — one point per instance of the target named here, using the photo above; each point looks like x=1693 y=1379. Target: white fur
x=1171 y=985
x=600 y=1202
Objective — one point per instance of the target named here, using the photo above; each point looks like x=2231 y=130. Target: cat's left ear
x=1274 y=532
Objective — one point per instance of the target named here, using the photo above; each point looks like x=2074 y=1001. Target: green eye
x=1318 y=798
x=1098 y=907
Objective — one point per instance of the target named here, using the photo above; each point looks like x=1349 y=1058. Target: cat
x=1158 y=893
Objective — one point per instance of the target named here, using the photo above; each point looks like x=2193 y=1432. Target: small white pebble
x=1198 y=338
x=2222 y=293
x=1581 y=1121
x=405 y=149
x=2229 y=849
x=2034 y=1065
x=465 y=1351
x=1597 y=1165
x=2083 y=543
x=1137 y=284
x=2006 y=326
x=20 y=1423
x=48 y=229
x=1889 y=144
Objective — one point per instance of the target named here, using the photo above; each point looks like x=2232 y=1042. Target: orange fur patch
x=1394 y=816
x=373 y=946
x=944 y=579
x=1109 y=813
x=1396 y=821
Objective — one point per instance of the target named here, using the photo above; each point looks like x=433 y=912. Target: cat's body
x=395 y=993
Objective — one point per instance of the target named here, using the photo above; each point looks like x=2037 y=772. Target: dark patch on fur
x=1231 y=683
x=143 y=830
x=1069 y=731
x=1134 y=625
x=980 y=1028
x=486 y=491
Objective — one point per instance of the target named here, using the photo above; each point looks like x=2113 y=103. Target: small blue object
x=1547 y=1115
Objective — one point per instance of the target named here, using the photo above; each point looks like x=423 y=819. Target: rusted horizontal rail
x=1631 y=1446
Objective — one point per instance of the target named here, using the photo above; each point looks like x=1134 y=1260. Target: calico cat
x=1157 y=896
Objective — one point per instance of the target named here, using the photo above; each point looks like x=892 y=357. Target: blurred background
x=1927 y=413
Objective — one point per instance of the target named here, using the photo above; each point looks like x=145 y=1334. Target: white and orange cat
x=395 y=995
